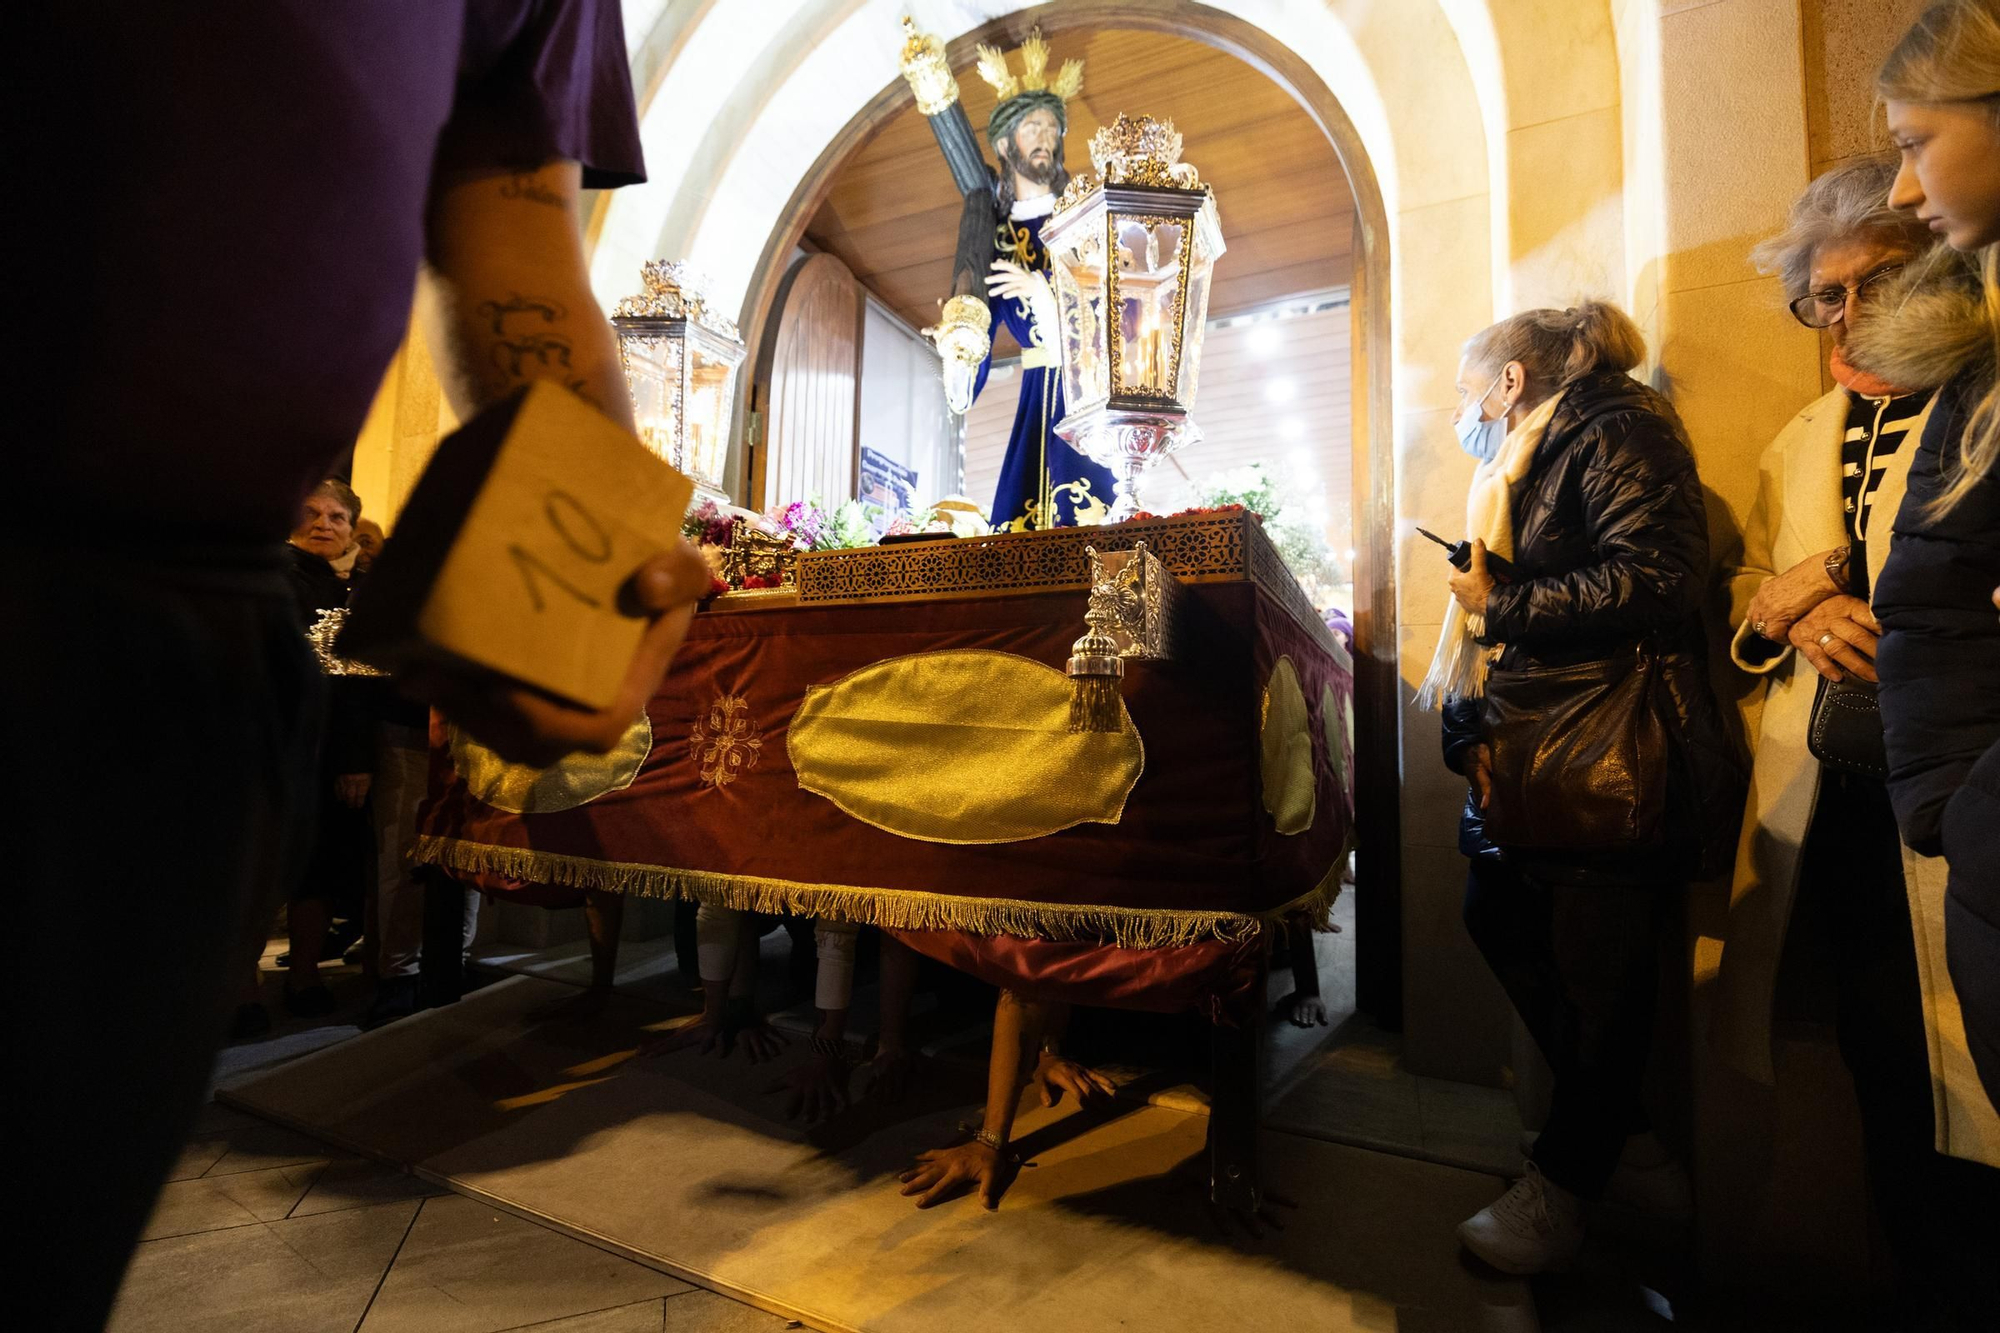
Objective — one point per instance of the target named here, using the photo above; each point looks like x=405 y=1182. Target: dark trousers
x=1941 y=1215
x=1581 y=965
x=157 y=715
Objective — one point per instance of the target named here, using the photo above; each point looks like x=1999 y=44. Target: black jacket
x=347 y=740
x=1611 y=546
x=1939 y=658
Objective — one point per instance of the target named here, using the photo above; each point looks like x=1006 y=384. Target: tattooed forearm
x=523 y=185
x=522 y=342
x=497 y=313
x=511 y=355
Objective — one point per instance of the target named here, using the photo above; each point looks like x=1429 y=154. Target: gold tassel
x=1094 y=704
x=1095 y=666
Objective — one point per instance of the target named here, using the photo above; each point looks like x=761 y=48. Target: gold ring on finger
x=1826 y=638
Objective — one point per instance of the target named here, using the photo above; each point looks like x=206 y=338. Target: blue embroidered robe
x=1043 y=482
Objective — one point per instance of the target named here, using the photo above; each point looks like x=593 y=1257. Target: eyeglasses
x=1828 y=305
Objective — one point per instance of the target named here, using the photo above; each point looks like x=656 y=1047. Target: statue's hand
x=1012 y=282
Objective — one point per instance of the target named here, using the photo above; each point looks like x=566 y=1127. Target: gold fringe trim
x=1317 y=903
x=899 y=909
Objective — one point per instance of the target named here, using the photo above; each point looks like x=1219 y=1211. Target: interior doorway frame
x=1377 y=678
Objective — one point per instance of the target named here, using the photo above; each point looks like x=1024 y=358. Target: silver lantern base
x=1127 y=441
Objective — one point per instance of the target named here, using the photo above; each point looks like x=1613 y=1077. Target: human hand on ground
x=1054 y=1076
x=1308 y=1011
x=525 y=725
x=946 y=1172
x=890 y=1073
x=704 y=1034
x=818 y=1088
x=351 y=789
x=1838 y=636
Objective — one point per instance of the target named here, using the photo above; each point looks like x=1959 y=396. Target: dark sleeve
x=1939 y=656
x=559 y=90
x=1643 y=512
x=1461 y=731
x=350 y=727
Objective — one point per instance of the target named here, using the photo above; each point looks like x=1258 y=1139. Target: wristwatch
x=1836 y=566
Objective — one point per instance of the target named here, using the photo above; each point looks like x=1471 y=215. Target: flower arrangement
x=1300 y=542
x=803 y=525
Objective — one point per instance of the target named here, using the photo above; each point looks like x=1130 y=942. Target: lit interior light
x=1281 y=390
x=1292 y=429
x=1265 y=338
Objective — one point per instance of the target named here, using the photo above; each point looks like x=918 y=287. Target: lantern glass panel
x=1195 y=326
x=1150 y=253
x=653 y=372
x=1078 y=265
x=706 y=409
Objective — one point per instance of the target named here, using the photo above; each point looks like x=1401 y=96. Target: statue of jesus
x=1044 y=483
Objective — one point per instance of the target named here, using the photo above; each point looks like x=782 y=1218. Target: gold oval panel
x=1287 y=751
x=1338 y=724
x=970 y=746
x=569 y=782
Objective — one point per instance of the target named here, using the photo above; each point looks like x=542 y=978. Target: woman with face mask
x=1587 y=486
x=1939 y=657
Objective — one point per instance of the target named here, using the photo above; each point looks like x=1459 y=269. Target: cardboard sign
x=515 y=547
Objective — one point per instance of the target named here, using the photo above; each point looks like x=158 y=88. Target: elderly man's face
x=1839 y=268
x=325 y=528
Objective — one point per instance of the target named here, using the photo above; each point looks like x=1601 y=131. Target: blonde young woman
x=1940 y=652
x=1821 y=857
x=1939 y=657
x=1587 y=486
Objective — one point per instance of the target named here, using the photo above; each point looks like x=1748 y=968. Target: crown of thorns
x=1032 y=90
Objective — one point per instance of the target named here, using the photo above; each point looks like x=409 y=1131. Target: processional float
x=1115 y=820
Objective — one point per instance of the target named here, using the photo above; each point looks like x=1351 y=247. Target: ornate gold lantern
x=680 y=361
x=1131 y=255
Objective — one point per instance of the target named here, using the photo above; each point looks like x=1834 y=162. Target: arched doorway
x=1357 y=234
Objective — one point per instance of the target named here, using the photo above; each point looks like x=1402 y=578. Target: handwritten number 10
x=572 y=522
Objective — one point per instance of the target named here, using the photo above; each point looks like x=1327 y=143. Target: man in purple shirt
x=237 y=197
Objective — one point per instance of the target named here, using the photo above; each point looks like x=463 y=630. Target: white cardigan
x=1799 y=514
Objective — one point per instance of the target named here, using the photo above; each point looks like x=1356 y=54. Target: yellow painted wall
x=404 y=423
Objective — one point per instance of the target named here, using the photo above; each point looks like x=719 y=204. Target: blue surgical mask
x=1477 y=436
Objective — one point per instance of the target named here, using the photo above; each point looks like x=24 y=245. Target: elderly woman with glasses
x=1821 y=862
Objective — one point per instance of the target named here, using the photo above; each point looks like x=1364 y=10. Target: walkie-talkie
x=1460 y=556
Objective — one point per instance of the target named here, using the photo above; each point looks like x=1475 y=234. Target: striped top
x=1876 y=429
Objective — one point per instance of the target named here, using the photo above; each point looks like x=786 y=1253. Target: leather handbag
x=1581 y=756
x=1846 y=728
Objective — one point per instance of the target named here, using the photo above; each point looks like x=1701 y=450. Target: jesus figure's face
x=1037 y=152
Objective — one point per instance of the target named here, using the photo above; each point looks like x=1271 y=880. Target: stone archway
x=1426 y=101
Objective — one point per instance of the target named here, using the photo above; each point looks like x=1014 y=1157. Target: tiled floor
x=261 y=1228
x=266 y=1231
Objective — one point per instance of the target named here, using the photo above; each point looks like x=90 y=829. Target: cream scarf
x=1458 y=668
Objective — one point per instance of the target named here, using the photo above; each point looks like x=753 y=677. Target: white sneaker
x=1535 y=1227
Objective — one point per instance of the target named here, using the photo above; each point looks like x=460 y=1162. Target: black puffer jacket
x=1940 y=650
x=1940 y=665
x=1611 y=546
